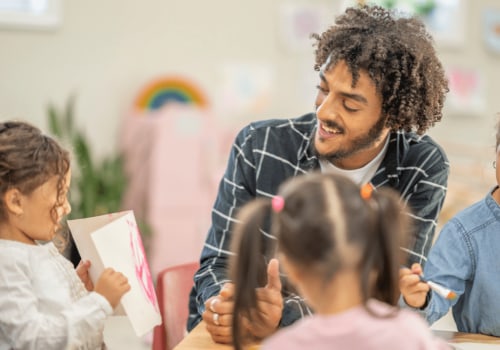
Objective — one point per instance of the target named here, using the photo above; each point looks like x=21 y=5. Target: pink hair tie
x=278 y=203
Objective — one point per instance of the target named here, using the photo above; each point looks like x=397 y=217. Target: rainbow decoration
x=170 y=89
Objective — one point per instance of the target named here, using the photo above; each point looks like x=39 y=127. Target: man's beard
x=358 y=144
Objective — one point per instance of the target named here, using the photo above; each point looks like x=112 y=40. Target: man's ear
x=13 y=200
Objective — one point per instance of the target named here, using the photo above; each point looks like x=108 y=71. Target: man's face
x=351 y=129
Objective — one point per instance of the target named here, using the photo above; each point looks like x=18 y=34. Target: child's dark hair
x=326 y=226
x=398 y=55
x=28 y=158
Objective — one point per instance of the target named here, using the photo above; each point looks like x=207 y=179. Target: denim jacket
x=266 y=153
x=465 y=259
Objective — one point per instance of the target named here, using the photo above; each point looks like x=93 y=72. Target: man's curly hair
x=398 y=55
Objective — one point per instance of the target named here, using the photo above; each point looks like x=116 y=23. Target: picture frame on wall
x=445 y=19
x=491 y=30
x=297 y=21
x=30 y=14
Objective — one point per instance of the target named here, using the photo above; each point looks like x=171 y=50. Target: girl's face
x=37 y=221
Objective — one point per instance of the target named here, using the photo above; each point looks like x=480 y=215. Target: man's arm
x=235 y=189
x=425 y=203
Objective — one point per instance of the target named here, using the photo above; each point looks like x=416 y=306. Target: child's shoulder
x=7 y=245
x=476 y=217
x=398 y=326
x=17 y=255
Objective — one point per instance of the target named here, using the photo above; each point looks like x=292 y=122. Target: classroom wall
x=106 y=51
x=468 y=135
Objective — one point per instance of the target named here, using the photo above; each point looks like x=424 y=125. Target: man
x=381 y=86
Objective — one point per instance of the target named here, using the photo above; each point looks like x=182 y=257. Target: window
x=30 y=14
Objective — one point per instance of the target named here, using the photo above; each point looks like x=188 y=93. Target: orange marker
x=439 y=289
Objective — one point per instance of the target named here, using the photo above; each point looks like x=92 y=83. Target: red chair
x=172 y=289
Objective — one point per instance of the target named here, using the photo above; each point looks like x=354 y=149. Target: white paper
x=113 y=240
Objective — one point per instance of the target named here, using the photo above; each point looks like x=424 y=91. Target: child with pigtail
x=340 y=247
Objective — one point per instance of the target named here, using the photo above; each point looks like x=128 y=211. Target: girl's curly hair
x=398 y=55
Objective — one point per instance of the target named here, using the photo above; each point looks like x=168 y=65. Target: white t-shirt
x=43 y=302
x=359 y=176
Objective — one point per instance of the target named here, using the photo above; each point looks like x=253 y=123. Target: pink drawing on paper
x=141 y=265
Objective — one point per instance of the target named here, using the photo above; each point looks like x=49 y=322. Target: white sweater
x=43 y=302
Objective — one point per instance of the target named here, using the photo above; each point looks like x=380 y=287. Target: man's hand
x=414 y=291
x=269 y=304
x=218 y=315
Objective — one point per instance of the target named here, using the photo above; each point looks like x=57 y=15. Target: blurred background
x=150 y=94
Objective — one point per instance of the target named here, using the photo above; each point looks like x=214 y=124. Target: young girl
x=43 y=302
x=465 y=260
x=340 y=247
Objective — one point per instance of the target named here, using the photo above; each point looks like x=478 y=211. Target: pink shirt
x=357 y=329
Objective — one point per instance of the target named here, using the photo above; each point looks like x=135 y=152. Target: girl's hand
x=112 y=285
x=414 y=291
x=82 y=270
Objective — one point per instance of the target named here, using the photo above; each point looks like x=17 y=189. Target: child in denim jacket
x=464 y=259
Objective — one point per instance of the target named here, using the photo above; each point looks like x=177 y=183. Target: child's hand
x=82 y=270
x=112 y=285
x=413 y=289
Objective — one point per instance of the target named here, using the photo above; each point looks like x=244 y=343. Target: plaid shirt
x=266 y=153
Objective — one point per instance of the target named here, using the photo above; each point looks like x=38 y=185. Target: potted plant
x=97 y=186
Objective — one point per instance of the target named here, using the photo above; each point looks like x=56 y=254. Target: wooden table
x=199 y=338
x=459 y=337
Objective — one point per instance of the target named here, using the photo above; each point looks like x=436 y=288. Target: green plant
x=421 y=7
x=97 y=185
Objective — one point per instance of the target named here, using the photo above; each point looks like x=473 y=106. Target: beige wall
x=105 y=51
x=469 y=139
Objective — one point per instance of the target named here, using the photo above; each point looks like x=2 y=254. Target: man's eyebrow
x=356 y=97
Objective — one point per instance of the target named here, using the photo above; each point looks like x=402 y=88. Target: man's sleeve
x=425 y=203
x=235 y=189
x=294 y=308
